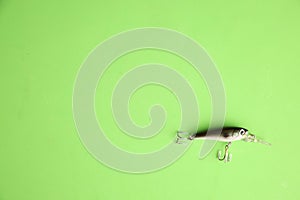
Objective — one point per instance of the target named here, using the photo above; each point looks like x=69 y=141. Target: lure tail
x=182 y=137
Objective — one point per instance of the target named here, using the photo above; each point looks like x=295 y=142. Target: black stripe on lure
x=226 y=134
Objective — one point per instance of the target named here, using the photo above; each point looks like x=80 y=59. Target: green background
x=255 y=46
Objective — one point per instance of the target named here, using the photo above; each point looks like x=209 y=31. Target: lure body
x=226 y=134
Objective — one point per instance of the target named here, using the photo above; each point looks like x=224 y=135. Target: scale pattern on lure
x=226 y=134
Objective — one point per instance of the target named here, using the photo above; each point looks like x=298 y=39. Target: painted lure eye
x=242 y=132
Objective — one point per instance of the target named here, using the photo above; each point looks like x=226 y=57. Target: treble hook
x=227 y=157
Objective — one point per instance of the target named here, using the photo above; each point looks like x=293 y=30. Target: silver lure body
x=226 y=134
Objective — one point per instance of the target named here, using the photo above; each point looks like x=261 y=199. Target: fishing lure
x=226 y=134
